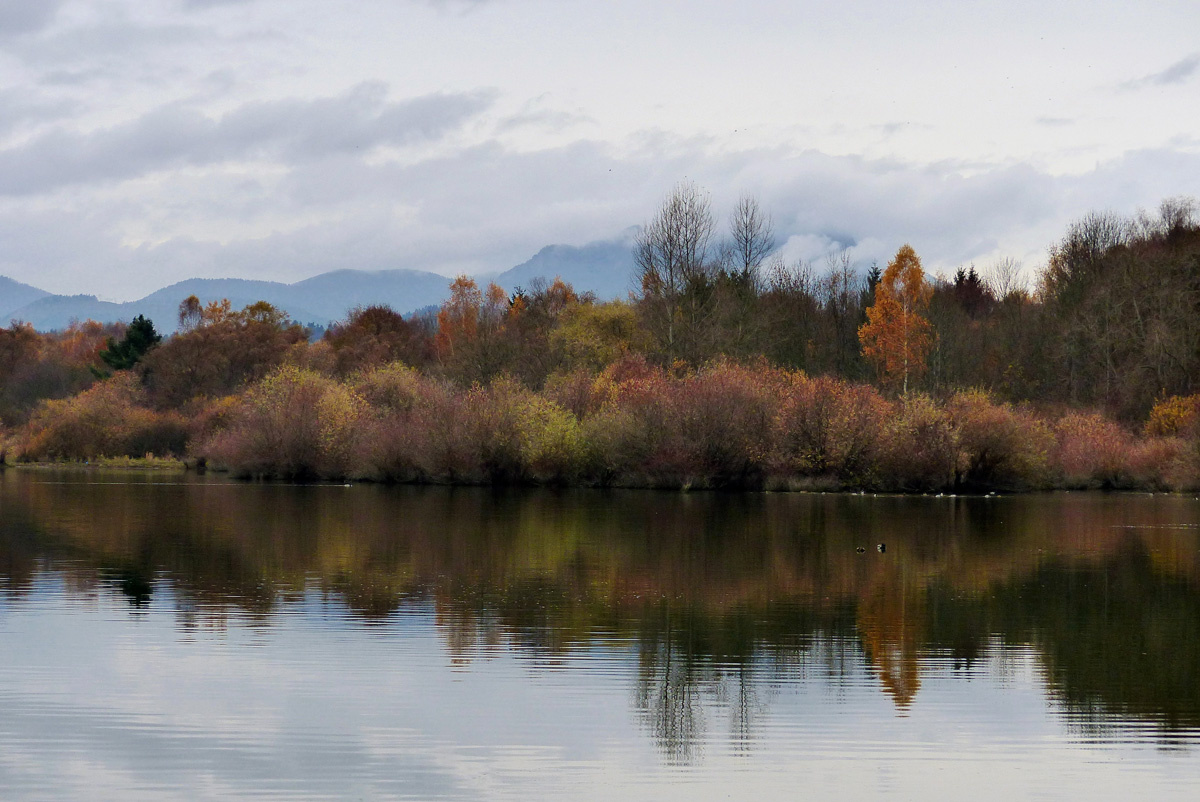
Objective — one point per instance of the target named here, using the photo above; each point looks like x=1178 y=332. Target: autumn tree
x=469 y=328
x=592 y=336
x=897 y=337
x=375 y=335
x=218 y=350
x=458 y=319
x=35 y=366
x=531 y=321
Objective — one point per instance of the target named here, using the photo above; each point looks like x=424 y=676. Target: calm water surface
x=163 y=637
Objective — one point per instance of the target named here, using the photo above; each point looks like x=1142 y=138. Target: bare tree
x=672 y=255
x=1004 y=278
x=796 y=278
x=841 y=292
x=1177 y=215
x=673 y=248
x=752 y=236
x=1075 y=259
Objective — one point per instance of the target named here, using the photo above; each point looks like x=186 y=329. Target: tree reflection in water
x=723 y=598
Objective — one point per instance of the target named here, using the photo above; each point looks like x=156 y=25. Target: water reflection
x=718 y=604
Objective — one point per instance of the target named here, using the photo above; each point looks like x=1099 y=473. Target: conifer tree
x=139 y=338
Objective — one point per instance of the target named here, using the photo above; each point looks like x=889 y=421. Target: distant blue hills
x=604 y=268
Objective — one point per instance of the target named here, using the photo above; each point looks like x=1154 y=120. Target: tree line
x=1105 y=344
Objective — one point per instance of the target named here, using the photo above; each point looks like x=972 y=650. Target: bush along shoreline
x=632 y=424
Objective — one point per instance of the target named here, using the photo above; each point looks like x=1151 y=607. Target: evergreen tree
x=139 y=338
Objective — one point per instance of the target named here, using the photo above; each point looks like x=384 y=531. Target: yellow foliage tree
x=897 y=337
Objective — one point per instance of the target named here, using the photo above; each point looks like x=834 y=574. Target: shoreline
x=777 y=485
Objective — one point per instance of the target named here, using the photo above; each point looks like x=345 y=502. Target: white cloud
x=289 y=131
x=144 y=141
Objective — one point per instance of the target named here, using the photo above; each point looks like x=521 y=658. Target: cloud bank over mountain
x=143 y=143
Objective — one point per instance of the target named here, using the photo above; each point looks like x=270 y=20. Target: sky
x=147 y=141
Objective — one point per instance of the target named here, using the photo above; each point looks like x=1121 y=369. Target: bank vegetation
x=726 y=367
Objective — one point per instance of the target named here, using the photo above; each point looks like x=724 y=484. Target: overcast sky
x=146 y=141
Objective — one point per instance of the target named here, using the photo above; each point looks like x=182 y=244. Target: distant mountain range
x=604 y=268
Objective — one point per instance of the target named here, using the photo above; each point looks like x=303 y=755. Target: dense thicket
x=728 y=367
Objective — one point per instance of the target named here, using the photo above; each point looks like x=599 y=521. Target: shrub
x=629 y=382
x=616 y=445
x=574 y=391
x=106 y=420
x=394 y=388
x=1092 y=452
x=1159 y=462
x=827 y=426
x=999 y=446
x=293 y=423
x=523 y=436
x=207 y=416
x=1175 y=415
x=721 y=420
x=921 y=449
x=416 y=429
x=445 y=436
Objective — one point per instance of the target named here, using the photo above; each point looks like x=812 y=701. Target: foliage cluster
x=36 y=366
x=638 y=424
x=109 y=419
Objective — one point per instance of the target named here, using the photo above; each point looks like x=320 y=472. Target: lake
x=171 y=636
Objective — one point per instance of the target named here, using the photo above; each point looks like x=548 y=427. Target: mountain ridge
x=602 y=267
x=14 y=295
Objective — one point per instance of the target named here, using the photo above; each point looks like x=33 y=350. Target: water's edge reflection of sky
x=204 y=640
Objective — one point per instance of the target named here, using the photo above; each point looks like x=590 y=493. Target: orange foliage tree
x=897 y=337
x=458 y=319
x=470 y=324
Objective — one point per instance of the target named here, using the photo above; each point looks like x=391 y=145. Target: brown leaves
x=897 y=337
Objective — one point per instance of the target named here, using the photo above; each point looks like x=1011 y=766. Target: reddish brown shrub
x=721 y=420
x=999 y=447
x=416 y=429
x=295 y=424
x=206 y=416
x=1160 y=463
x=826 y=426
x=921 y=449
x=1092 y=451
x=574 y=391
